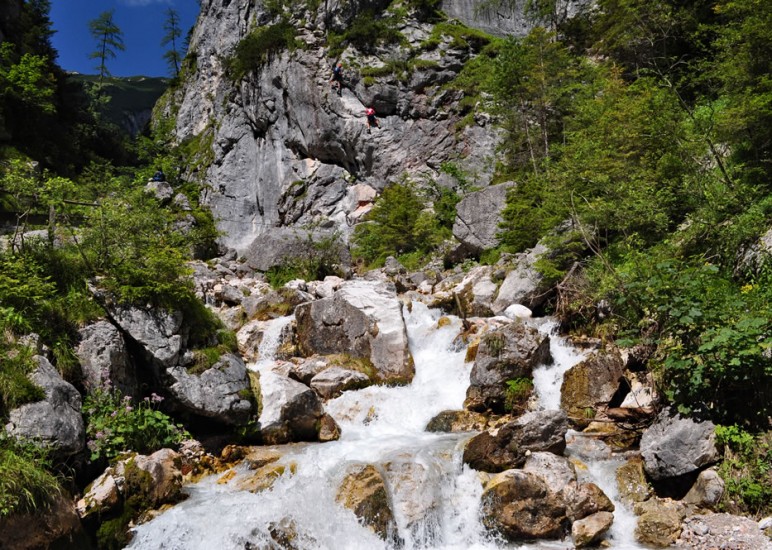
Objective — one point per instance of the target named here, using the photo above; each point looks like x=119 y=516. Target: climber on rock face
x=337 y=77
x=371 y=120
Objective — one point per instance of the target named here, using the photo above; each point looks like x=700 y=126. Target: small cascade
x=434 y=497
x=597 y=463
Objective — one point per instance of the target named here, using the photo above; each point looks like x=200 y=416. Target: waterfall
x=434 y=497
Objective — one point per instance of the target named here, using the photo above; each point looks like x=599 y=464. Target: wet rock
x=250 y=337
x=631 y=481
x=706 y=491
x=556 y=471
x=457 y=421
x=104 y=359
x=164 y=481
x=56 y=420
x=263 y=478
x=222 y=392
x=333 y=381
x=416 y=495
x=328 y=429
x=364 y=492
x=504 y=354
x=659 y=522
x=586 y=532
x=291 y=410
x=520 y=506
x=539 y=431
x=304 y=369
x=585 y=499
x=363 y=320
x=589 y=386
x=674 y=446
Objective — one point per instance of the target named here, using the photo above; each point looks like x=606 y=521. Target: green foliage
x=747 y=471
x=117 y=425
x=134 y=244
x=173 y=55
x=109 y=40
x=517 y=394
x=16 y=363
x=366 y=32
x=256 y=48
x=398 y=223
x=712 y=336
x=460 y=37
x=26 y=482
x=322 y=254
x=28 y=82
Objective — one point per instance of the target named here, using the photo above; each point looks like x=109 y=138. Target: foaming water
x=547 y=379
x=434 y=497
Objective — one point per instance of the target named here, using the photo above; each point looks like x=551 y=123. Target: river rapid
x=434 y=497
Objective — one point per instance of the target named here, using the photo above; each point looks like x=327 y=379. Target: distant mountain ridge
x=131 y=99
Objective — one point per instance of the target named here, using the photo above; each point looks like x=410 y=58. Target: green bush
x=747 y=471
x=365 y=33
x=116 y=424
x=255 y=49
x=399 y=223
x=26 y=482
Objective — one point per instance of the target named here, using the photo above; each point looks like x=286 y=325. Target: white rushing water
x=435 y=498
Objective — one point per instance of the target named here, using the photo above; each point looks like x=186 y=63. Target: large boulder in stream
x=291 y=411
x=363 y=319
x=54 y=421
x=588 y=531
x=222 y=392
x=520 y=506
x=523 y=284
x=364 y=492
x=510 y=352
x=674 y=446
x=538 y=431
x=590 y=386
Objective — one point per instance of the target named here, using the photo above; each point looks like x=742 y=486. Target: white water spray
x=435 y=499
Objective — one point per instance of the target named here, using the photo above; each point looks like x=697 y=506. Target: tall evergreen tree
x=109 y=39
x=173 y=55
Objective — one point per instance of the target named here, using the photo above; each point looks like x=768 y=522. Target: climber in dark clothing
x=337 y=77
x=158 y=176
x=371 y=119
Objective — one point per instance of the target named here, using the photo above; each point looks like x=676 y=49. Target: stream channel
x=434 y=497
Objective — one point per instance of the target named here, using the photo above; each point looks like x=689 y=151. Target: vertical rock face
x=281 y=149
x=104 y=359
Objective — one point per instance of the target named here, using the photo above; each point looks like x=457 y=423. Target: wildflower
x=129 y=408
x=156 y=398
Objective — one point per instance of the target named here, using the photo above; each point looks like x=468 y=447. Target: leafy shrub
x=26 y=483
x=116 y=425
x=255 y=49
x=746 y=470
x=365 y=32
x=398 y=224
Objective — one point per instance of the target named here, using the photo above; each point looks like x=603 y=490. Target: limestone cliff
x=281 y=148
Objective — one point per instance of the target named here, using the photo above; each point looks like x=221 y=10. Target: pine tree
x=173 y=56
x=109 y=39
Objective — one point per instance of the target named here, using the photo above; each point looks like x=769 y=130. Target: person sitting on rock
x=371 y=119
x=158 y=176
x=337 y=77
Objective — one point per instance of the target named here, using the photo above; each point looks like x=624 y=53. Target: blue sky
x=141 y=21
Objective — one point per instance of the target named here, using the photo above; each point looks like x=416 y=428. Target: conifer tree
x=109 y=39
x=173 y=56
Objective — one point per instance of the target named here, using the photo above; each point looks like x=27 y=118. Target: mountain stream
x=435 y=498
